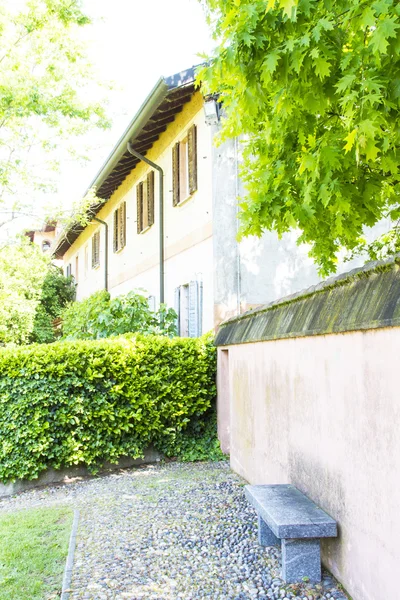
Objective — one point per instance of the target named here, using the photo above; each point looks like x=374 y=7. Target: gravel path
x=169 y=532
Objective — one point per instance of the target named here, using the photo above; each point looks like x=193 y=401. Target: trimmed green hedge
x=87 y=402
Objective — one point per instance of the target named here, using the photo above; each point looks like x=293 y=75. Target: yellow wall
x=188 y=226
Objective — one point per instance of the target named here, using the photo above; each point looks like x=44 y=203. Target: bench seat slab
x=289 y=513
x=265 y=535
x=301 y=558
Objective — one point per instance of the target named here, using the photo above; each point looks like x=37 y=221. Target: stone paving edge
x=66 y=584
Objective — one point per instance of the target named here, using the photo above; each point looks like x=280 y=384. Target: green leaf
x=350 y=140
x=346 y=82
x=288 y=7
x=368 y=18
x=322 y=67
x=271 y=62
x=371 y=150
x=386 y=29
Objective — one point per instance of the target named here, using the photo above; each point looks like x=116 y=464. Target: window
x=86 y=261
x=76 y=268
x=46 y=245
x=96 y=250
x=145 y=203
x=68 y=270
x=189 y=308
x=120 y=227
x=152 y=303
x=184 y=167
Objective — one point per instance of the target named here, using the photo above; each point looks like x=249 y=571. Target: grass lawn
x=33 y=551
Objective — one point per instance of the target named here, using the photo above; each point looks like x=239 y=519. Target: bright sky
x=133 y=43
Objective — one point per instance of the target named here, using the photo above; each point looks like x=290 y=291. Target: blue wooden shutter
x=194 y=309
x=177 y=308
x=152 y=303
x=200 y=307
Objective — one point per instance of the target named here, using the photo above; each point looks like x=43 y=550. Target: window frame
x=76 y=276
x=96 y=250
x=188 y=305
x=48 y=245
x=119 y=228
x=184 y=167
x=145 y=190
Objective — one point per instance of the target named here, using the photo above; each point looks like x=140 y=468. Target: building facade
x=168 y=219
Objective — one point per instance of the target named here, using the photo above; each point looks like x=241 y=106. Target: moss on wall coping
x=364 y=298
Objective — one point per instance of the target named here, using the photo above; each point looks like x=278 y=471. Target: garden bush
x=100 y=316
x=87 y=402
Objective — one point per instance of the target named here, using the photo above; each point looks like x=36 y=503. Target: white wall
x=187 y=227
x=323 y=413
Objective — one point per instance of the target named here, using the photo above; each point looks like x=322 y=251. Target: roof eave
x=144 y=113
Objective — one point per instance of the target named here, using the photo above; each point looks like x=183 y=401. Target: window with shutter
x=122 y=225
x=96 y=250
x=152 y=303
x=184 y=167
x=145 y=203
x=119 y=227
x=192 y=159
x=86 y=263
x=175 y=174
x=115 y=236
x=177 y=308
x=139 y=206
x=189 y=308
x=150 y=198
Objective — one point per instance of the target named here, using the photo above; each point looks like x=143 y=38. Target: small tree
x=57 y=292
x=315 y=89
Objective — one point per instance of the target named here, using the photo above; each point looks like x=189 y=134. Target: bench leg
x=265 y=535
x=301 y=558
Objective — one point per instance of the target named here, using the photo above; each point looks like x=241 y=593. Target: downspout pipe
x=161 y=209
x=105 y=251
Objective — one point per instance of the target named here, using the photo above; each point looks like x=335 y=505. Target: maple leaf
x=322 y=67
x=271 y=62
x=288 y=7
x=385 y=29
x=371 y=151
x=346 y=82
x=350 y=140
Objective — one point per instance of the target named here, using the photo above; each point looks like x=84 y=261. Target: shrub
x=57 y=291
x=98 y=317
x=80 y=318
x=86 y=402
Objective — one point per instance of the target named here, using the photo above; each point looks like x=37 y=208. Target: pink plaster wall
x=323 y=413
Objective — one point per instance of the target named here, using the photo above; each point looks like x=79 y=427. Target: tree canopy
x=44 y=76
x=33 y=292
x=314 y=89
x=23 y=269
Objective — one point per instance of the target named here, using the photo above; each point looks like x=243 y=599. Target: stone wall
x=309 y=395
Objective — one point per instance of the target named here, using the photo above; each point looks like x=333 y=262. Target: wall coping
x=364 y=298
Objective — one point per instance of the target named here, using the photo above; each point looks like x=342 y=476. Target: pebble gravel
x=168 y=532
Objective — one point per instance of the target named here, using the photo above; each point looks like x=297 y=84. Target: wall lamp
x=211 y=110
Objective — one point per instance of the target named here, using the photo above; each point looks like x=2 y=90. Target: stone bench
x=288 y=518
